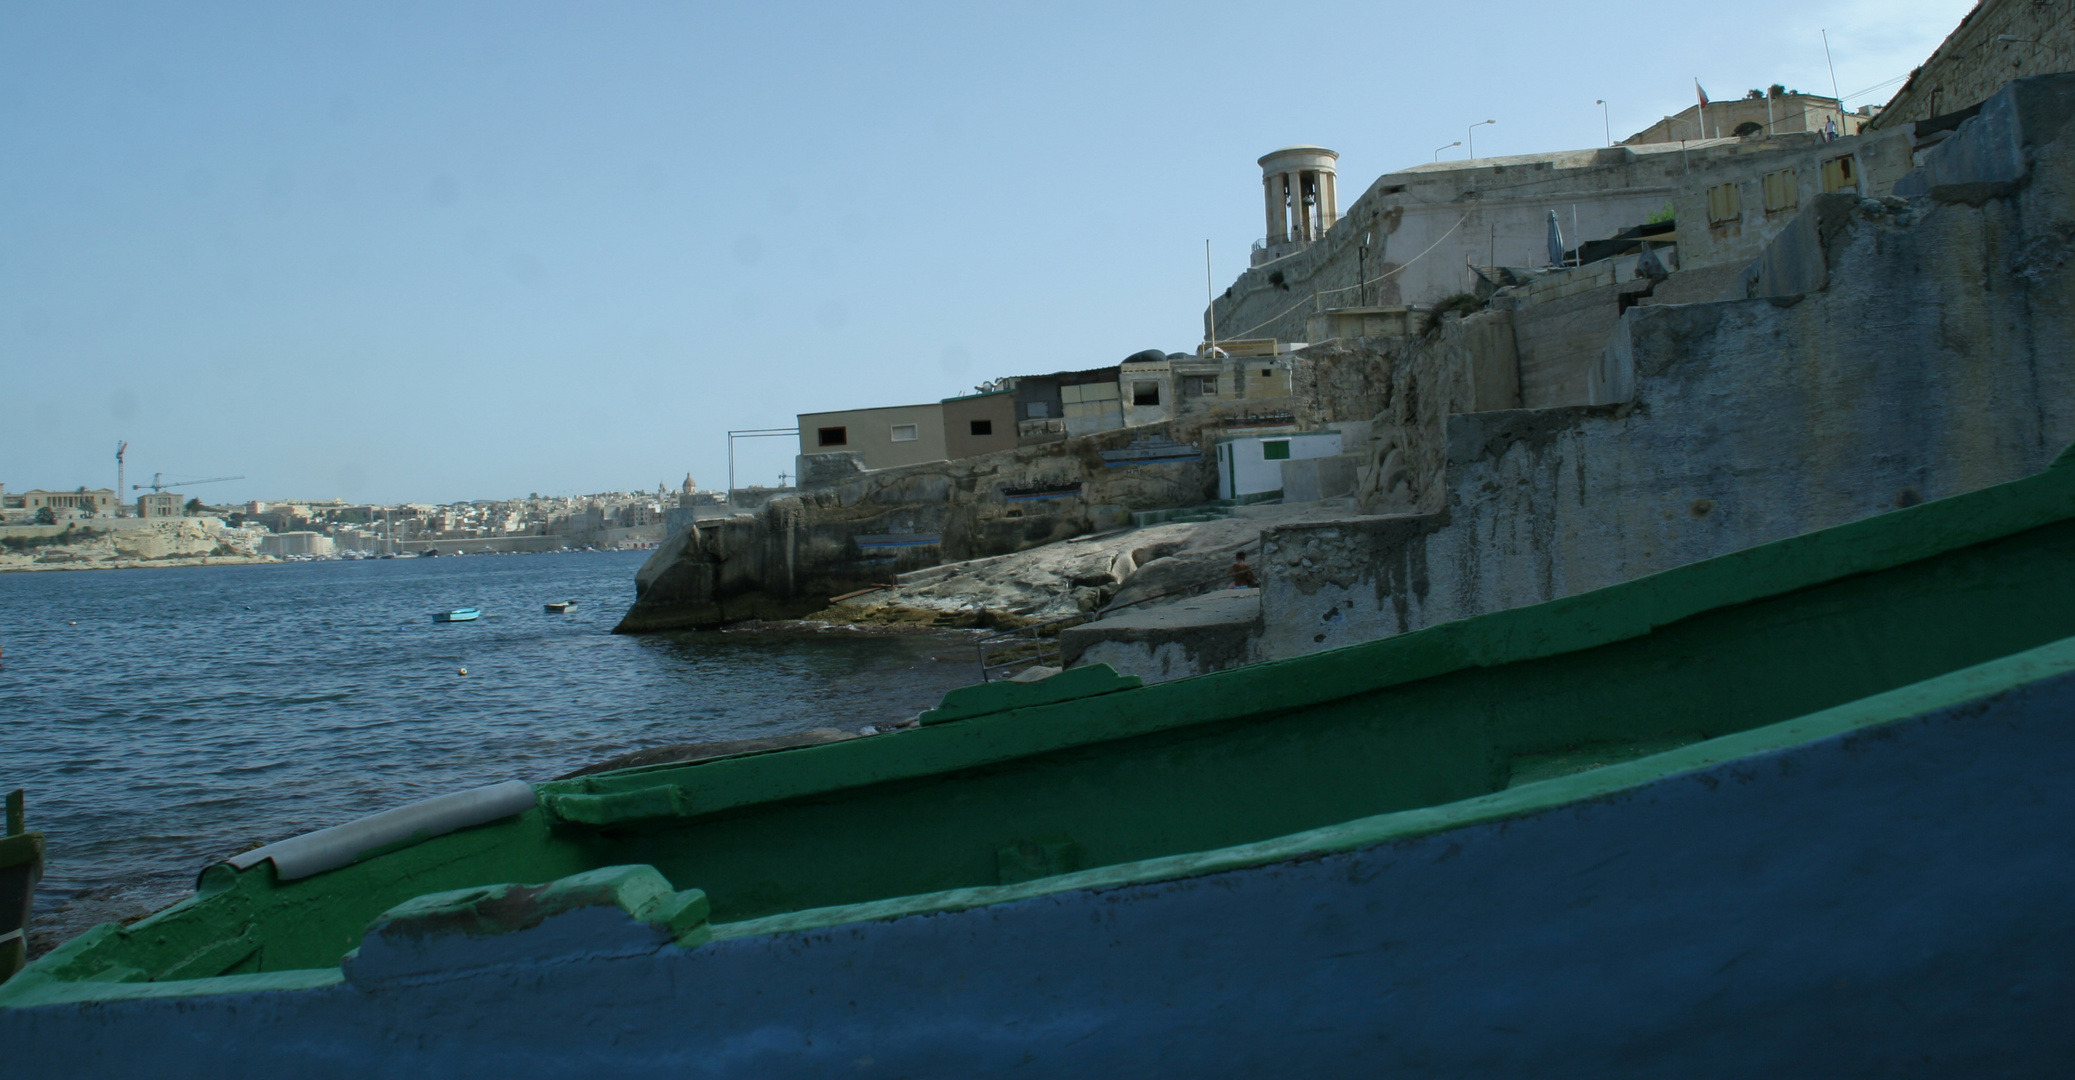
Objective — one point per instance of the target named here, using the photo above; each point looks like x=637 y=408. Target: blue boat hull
x=1890 y=900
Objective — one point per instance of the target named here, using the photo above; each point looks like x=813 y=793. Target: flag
x=1698 y=89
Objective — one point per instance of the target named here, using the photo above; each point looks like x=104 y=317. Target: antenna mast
x=119 y=448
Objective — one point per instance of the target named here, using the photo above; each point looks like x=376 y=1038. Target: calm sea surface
x=162 y=719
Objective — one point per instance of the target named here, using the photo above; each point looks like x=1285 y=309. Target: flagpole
x=1833 y=82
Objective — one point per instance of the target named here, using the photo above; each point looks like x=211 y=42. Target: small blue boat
x=460 y=614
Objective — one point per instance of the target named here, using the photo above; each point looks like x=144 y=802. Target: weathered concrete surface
x=1934 y=361
x=1209 y=632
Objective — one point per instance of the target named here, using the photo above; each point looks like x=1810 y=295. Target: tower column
x=1283 y=208
x=1271 y=186
x=1328 y=201
x=1303 y=211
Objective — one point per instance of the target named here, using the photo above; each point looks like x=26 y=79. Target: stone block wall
x=1971 y=64
x=1931 y=359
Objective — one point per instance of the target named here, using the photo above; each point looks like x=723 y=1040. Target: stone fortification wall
x=1424 y=223
x=1972 y=64
x=1928 y=358
x=1877 y=160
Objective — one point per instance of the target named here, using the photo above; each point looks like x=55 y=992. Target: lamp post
x=1438 y=149
x=1473 y=135
x=1606 y=120
x=1362 y=269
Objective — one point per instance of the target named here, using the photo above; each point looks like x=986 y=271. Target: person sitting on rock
x=1242 y=574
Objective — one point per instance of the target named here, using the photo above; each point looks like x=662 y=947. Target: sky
x=442 y=251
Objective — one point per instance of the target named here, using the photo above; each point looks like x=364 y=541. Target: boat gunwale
x=1976 y=685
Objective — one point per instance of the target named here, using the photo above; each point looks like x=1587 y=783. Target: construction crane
x=160 y=483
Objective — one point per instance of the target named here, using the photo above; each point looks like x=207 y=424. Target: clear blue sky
x=443 y=251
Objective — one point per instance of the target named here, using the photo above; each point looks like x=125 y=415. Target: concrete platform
x=1210 y=632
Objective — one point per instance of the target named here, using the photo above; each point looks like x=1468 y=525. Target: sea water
x=163 y=719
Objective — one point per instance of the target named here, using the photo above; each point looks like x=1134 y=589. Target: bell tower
x=1298 y=183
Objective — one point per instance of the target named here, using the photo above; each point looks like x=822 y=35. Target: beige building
x=85 y=503
x=1775 y=112
x=159 y=504
x=882 y=438
x=979 y=423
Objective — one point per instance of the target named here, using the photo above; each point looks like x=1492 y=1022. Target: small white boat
x=560 y=606
x=462 y=614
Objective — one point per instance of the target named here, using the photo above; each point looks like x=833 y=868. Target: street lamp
x=1606 y=120
x=1438 y=149
x=1473 y=135
x=1362 y=268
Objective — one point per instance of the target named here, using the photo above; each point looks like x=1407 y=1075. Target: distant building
x=160 y=504
x=1770 y=113
x=285 y=545
x=82 y=503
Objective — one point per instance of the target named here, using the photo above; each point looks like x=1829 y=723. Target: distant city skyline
x=389 y=253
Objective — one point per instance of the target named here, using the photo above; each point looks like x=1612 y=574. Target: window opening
x=1145 y=393
x=1276 y=450
x=1780 y=191
x=983 y=427
x=906 y=433
x=1725 y=204
x=833 y=436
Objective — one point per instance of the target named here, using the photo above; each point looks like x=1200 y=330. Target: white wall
x=1244 y=467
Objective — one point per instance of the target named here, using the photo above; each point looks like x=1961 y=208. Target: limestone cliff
x=798 y=552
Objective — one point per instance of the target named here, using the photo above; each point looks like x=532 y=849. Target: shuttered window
x=1840 y=174
x=1780 y=192
x=1724 y=204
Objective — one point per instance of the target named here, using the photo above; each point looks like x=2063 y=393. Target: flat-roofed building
x=979 y=423
x=882 y=438
x=83 y=502
x=159 y=504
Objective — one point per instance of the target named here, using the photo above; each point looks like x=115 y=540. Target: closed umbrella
x=1555 y=241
